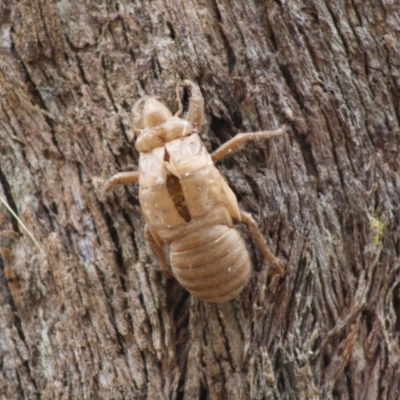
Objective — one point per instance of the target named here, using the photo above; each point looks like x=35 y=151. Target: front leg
x=195 y=113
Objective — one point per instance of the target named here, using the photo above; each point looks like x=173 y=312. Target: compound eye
x=155 y=113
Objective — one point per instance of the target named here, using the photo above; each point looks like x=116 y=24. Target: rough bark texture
x=93 y=317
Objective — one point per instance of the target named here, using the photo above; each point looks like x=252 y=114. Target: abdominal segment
x=212 y=264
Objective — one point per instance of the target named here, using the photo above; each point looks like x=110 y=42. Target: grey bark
x=92 y=316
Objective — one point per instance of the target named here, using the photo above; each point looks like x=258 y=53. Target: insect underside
x=187 y=203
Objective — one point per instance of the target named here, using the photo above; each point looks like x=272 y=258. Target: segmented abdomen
x=212 y=263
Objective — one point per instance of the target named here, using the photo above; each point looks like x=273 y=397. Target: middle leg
x=240 y=139
x=121 y=178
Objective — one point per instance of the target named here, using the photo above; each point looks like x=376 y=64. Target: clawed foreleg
x=195 y=113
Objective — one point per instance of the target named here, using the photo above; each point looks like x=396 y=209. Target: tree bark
x=86 y=313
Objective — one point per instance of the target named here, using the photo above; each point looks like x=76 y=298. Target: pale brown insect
x=187 y=203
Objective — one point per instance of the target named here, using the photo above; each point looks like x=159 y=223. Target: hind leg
x=249 y=221
x=150 y=237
